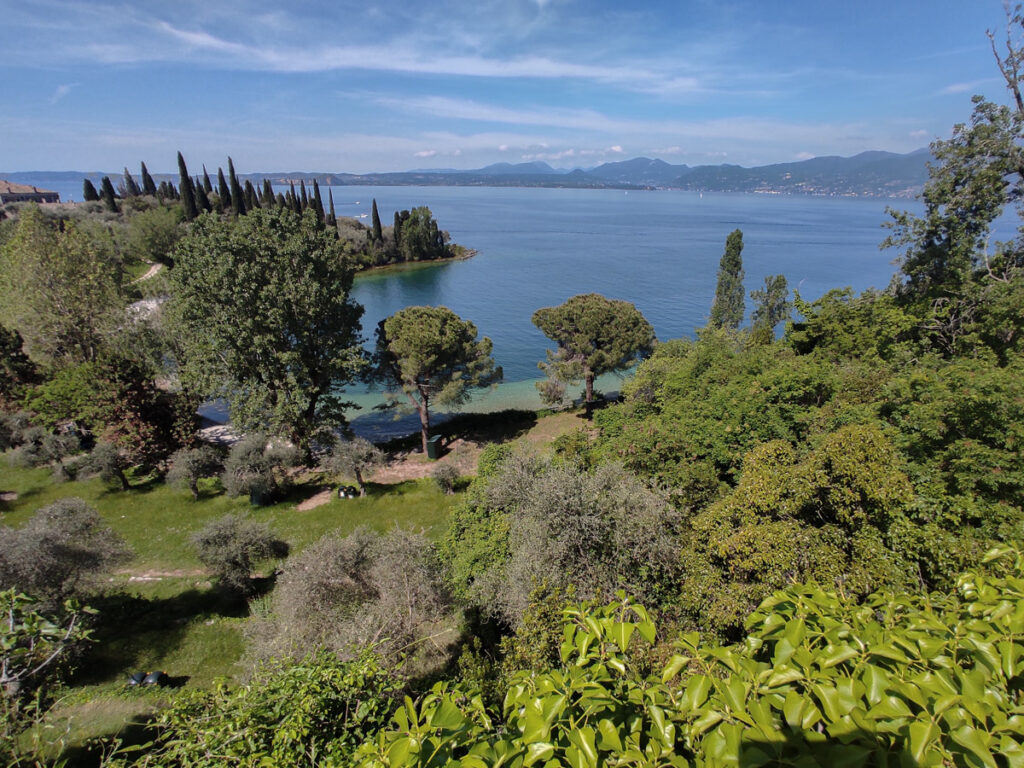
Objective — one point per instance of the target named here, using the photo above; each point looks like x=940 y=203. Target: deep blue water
x=659 y=250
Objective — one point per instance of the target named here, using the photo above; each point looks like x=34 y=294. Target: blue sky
x=363 y=86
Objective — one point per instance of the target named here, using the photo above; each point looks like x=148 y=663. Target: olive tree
x=352 y=458
x=188 y=465
x=231 y=546
x=595 y=335
x=53 y=555
x=432 y=356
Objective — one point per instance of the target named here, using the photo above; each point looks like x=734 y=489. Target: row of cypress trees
x=199 y=194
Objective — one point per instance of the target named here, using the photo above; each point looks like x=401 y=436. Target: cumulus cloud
x=804 y=155
x=425 y=153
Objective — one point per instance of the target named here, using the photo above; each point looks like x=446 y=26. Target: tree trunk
x=124 y=480
x=193 y=485
x=359 y=481
x=424 y=425
x=589 y=379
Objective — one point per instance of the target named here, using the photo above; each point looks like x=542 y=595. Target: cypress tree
x=148 y=185
x=237 y=201
x=378 y=232
x=318 y=203
x=398 y=230
x=727 y=309
x=296 y=205
x=305 y=197
x=207 y=184
x=163 y=191
x=131 y=189
x=202 y=200
x=250 y=196
x=268 y=194
x=188 y=193
x=333 y=220
x=281 y=202
x=89 y=192
x=222 y=189
x=107 y=194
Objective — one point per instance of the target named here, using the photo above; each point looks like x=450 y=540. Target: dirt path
x=151 y=272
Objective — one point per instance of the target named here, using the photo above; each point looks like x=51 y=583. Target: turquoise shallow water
x=659 y=250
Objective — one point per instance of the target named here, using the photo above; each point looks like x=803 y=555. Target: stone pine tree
x=771 y=307
x=89 y=193
x=433 y=357
x=378 y=233
x=237 y=196
x=727 y=309
x=188 y=193
x=148 y=185
x=595 y=335
x=107 y=194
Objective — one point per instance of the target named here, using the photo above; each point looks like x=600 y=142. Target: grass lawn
x=160 y=610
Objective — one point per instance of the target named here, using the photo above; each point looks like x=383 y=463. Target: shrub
x=352 y=458
x=231 y=546
x=106 y=461
x=257 y=467
x=57 y=550
x=446 y=476
x=316 y=711
x=346 y=593
x=188 y=465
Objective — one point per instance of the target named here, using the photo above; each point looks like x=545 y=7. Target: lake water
x=658 y=249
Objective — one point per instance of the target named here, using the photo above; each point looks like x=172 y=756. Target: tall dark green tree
x=304 y=196
x=237 y=195
x=108 y=195
x=397 y=230
x=188 y=193
x=207 y=184
x=294 y=199
x=202 y=201
x=595 y=335
x=223 y=191
x=318 y=202
x=250 y=196
x=268 y=200
x=148 y=185
x=727 y=309
x=89 y=192
x=378 y=233
x=333 y=219
x=771 y=307
x=131 y=188
x=261 y=306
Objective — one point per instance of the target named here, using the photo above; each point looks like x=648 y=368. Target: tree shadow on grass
x=133 y=632
x=131 y=740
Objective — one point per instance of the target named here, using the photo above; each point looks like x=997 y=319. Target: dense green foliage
x=262 y=316
x=432 y=356
x=819 y=680
x=315 y=712
x=594 y=335
x=728 y=308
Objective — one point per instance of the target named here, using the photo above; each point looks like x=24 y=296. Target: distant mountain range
x=869 y=174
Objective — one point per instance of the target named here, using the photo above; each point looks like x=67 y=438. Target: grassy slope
x=160 y=613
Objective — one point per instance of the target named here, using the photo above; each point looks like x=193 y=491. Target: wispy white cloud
x=969 y=87
x=61 y=91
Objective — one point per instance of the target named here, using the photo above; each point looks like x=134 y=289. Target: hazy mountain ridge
x=868 y=174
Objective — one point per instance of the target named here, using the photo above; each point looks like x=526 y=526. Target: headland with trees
x=796 y=549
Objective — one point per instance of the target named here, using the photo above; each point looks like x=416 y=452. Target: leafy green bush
x=819 y=680
x=315 y=712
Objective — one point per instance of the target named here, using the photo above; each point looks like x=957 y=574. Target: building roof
x=10 y=188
